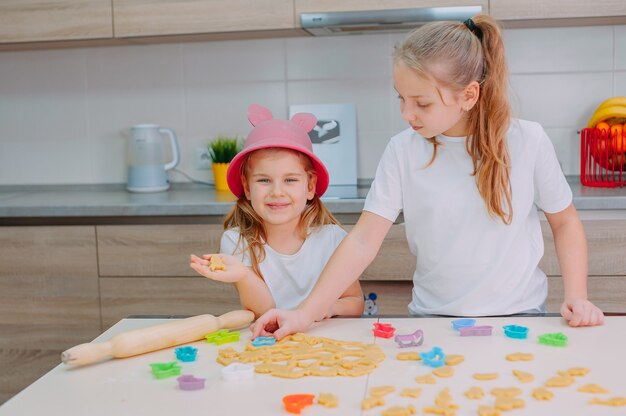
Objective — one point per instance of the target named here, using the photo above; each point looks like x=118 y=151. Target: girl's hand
x=235 y=269
x=279 y=323
x=581 y=312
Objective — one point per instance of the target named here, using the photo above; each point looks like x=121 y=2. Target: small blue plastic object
x=263 y=341
x=515 y=331
x=186 y=354
x=463 y=323
x=434 y=358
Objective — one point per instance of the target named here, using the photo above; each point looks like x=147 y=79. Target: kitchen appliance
x=334 y=139
x=147 y=170
x=394 y=20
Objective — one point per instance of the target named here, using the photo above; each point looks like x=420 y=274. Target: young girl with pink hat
x=279 y=235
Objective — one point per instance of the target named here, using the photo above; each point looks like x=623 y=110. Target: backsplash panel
x=62 y=112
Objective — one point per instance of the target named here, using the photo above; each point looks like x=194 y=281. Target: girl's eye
x=291 y=180
x=423 y=105
x=400 y=97
x=263 y=180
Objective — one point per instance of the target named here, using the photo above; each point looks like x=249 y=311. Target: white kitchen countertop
x=126 y=386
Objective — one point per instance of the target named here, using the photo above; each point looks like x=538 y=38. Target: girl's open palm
x=235 y=269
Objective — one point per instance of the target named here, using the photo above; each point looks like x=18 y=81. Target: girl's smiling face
x=429 y=110
x=278 y=184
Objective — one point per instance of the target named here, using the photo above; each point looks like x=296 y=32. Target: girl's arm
x=253 y=292
x=350 y=303
x=571 y=250
x=354 y=254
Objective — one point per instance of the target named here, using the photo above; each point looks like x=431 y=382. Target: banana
x=613 y=101
x=608 y=112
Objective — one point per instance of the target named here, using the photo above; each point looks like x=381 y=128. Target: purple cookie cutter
x=477 y=331
x=410 y=340
x=189 y=382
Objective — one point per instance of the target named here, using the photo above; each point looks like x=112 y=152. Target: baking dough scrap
x=454 y=359
x=409 y=356
x=592 y=388
x=523 y=376
x=520 y=356
x=577 y=371
x=427 y=379
x=541 y=393
x=443 y=405
x=328 y=400
x=614 y=401
x=411 y=392
x=485 y=376
x=301 y=355
x=445 y=371
x=381 y=391
x=474 y=393
x=216 y=263
x=371 y=402
x=400 y=411
x=508 y=403
x=560 y=381
x=506 y=392
x=487 y=411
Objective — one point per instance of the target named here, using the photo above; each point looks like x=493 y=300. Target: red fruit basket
x=602 y=158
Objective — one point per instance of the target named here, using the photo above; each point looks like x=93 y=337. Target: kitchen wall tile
x=130 y=85
x=338 y=57
x=370 y=97
x=42 y=96
x=566 y=49
x=234 y=61
x=560 y=100
x=47 y=162
x=620 y=83
x=620 y=47
x=371 y=145
x=566 y=143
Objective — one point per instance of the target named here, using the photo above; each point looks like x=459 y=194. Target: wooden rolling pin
x=140 y=341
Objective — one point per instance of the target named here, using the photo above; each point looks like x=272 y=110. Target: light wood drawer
x=154 y=250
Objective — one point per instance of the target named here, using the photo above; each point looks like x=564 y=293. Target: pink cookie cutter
x=410 y=340
x=189 y=382
x=476 y=331
x=237 y=371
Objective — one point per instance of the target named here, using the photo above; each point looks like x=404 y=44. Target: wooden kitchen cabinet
x=49 y=299
x=537 y=10
x=134 y=18
x=52 y=20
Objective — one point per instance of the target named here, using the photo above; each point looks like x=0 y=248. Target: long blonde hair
x=472 y=55
x=252 y=232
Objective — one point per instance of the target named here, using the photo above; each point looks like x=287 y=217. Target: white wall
x=62 y=111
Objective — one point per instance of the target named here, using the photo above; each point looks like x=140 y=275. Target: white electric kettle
x=147 y=171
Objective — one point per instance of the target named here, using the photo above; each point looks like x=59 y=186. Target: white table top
x=127 y=387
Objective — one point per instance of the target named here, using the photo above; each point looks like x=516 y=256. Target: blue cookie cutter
x=186 y=354
x=515 y=331
x=263 y=341
x=434 y=358
x=463 y=323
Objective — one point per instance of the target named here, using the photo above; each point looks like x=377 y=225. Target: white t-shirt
x=469 y=263
x=290 y=277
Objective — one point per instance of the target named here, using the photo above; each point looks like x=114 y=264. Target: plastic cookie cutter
x=222 y=337
x=433 y=358
x=189 y=382
x=554 y=339
x=383 y=330
x=186 y=353
x=262 y=341
x=294 y=403
x=476 y=331
x=164 y=370
x=463 y=323
x=410 y=340
x=515 y=331
x=237 y=372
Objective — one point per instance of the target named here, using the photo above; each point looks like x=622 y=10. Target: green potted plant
x=221 y=151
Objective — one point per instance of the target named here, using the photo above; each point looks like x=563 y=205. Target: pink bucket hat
x=285 y=134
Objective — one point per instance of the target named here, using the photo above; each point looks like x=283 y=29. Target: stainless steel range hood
x=344 y=23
